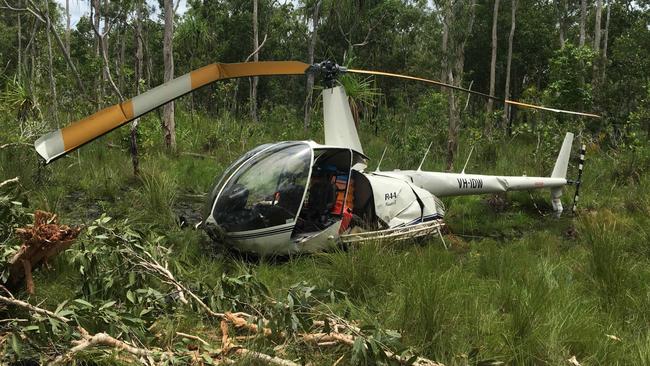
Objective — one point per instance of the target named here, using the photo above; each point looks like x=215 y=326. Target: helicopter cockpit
x=284 y=192
x=266 y=190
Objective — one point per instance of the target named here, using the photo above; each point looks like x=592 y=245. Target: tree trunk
x=20 y=49
x=597 y=32
x=95 y=8
x=255 y=79
x=139 y=56
x=445 y=42
x=562 y=11
x=168 y=60
x=511 y=37
x=53 y=98
x=105 y=40
x=310 y=59
x=604 y=55
x=67 y=26
x=457 y=38
x=493 y=66
x=583 y=21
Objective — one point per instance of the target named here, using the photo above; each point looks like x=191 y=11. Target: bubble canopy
x=265 y=190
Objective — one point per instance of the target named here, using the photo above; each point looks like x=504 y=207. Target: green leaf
x=130 y=296
x=15 y=345
x=83 y=303
x=107 y=305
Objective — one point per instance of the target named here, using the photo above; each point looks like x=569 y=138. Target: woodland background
x=516 y=287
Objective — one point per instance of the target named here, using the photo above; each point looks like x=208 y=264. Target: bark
x=169 y=126
x=583 y=21
x=562 y=11
x=457 y=38
x=135 y=160
x=67 y=25
x=255 y=79
x=597 y=33
x=95 y=15
x=20 y=49
x=445 y=42
x=511 y=37
x=53 y=98
x=493 y=61
x=310 y=59
x=606 y=40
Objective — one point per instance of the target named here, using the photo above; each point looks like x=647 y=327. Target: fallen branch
x=32 y=308
x=272 y=360
x=193 y=337
x=4 y=146
x=8 y=181
x=99 y=339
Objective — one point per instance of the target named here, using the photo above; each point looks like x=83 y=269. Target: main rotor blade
x=445 y=85
x=56 y=144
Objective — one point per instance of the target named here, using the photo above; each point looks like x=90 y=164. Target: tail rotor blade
x=454 y=87
x=55 y=144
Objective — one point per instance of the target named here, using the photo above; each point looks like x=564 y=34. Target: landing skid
x=399 y=233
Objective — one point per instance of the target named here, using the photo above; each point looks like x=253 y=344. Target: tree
x=597 y=32
x=139 y=57
x=511 y=36
x=583 y=21
x=256 y=57
x=315 y=18
x=493 y=63
x=169 y=127
x=51 y=66
x=459 y=18
x=605 y=42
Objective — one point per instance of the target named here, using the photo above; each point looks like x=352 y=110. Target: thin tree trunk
x=597 y=33
x=562 y=10
x=255 y=79
x=135 y=160
x=583 y=21
x=493 y=65
x=511 y=37
x=20 y=49
x=456 y=45
x=310 y=59
x=604 y=56
x=105 y=39
x=67 y=26
x=445 y=42
x=168 y=60
x=53 y=98
x=95 y=8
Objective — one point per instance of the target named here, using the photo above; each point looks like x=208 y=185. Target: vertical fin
x=562 y=162
x=559 y=171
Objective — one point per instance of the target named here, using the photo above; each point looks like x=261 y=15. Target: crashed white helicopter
x=302 y=197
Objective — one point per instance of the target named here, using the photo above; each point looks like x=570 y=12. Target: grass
x=517 y=286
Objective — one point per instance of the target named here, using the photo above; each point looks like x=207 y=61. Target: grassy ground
x=517 y=285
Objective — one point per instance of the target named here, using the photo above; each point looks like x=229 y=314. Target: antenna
x=467 y=161
x=425 y=156
x=381 y=159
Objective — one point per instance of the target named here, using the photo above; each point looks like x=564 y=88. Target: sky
x=79 y=8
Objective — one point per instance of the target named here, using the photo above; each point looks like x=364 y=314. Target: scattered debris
x=574 y=361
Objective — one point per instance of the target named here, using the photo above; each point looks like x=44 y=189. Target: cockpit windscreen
x=266 y=191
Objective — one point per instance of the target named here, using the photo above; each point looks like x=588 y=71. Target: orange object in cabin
x=341 y=183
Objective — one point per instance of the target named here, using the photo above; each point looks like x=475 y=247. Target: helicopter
x=294 y=197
